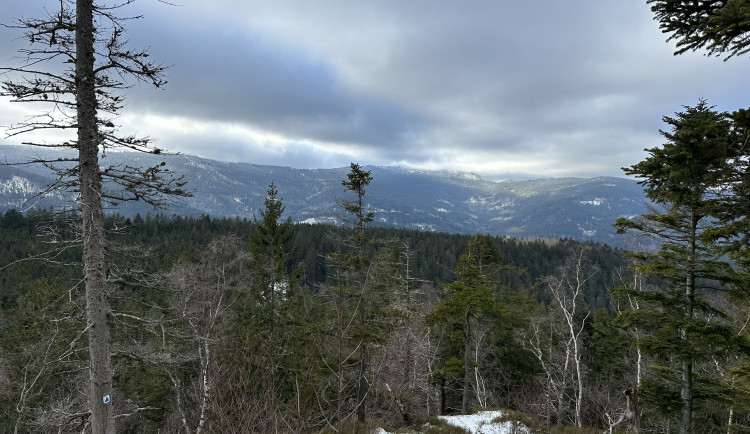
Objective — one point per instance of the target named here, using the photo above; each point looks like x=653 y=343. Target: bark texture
x=97 y=308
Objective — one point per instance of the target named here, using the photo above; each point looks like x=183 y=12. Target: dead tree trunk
x=632 y=395
x=97 y=309
x=83 y=98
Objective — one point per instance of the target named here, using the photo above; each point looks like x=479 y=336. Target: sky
x=504 y=89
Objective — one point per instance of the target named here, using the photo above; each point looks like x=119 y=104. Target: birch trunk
x=467 y=365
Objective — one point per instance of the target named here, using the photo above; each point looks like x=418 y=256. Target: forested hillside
x=267 y=325
x=160 y=307
x=173 y=239
x=201 y=339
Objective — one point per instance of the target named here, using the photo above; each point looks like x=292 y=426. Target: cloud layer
x=530 y=89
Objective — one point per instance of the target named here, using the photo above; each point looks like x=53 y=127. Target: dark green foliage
x=353 y=267
x=358 y=180
x=716 y=26
x=684 y=327
x=733 y=231
x=151 y=388
x=272 y=257
x=175 y=238
x=693 y=161
x=608 y=350
x=267 y=358
x=477 y=281
x=470 y=302
x=154 y=243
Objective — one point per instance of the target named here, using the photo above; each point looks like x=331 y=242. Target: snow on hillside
x=17 y=185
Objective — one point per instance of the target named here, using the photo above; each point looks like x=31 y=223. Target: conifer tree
x=351 y=300
x=264 y=345
x=269 y=245
x=717 y=26
x=732 y=233
x=358 y=261
x=470 y=300
x=683 y=178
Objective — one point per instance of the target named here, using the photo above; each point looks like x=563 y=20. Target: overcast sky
x=536 y=88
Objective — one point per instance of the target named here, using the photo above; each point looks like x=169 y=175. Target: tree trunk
x=340 y=378
x=97 y=309
x=362 y=382
x=467 y=365
x=579 y=378
x=686 y=393
x=632 y=397
x=442 y=395
x=362 y=310
x=687 y=398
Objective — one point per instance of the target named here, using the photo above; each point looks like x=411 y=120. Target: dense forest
x=179 y=283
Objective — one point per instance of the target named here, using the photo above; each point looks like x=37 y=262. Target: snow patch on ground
x=481 y=423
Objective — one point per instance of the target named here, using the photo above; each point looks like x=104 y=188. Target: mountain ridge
x=440 y=201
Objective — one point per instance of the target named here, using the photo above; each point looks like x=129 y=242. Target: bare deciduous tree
x=202 y=295
x=566 y=288
x=545 y=340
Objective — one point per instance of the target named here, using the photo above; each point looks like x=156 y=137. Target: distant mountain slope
x=455 y=202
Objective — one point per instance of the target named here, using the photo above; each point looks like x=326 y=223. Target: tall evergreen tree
x=357 y=181
x=265 y=342
x=683 y=178
x=270 y=243
x=734 y=231
x=470 y=300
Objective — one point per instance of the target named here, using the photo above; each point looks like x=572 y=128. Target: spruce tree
x=470 y=300
x=358 y=180
x=270 y=243
x=682 y=178
x=732 y=233
x=717 y=26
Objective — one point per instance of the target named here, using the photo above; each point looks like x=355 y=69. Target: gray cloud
x=543 y=88
x=248 y=80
